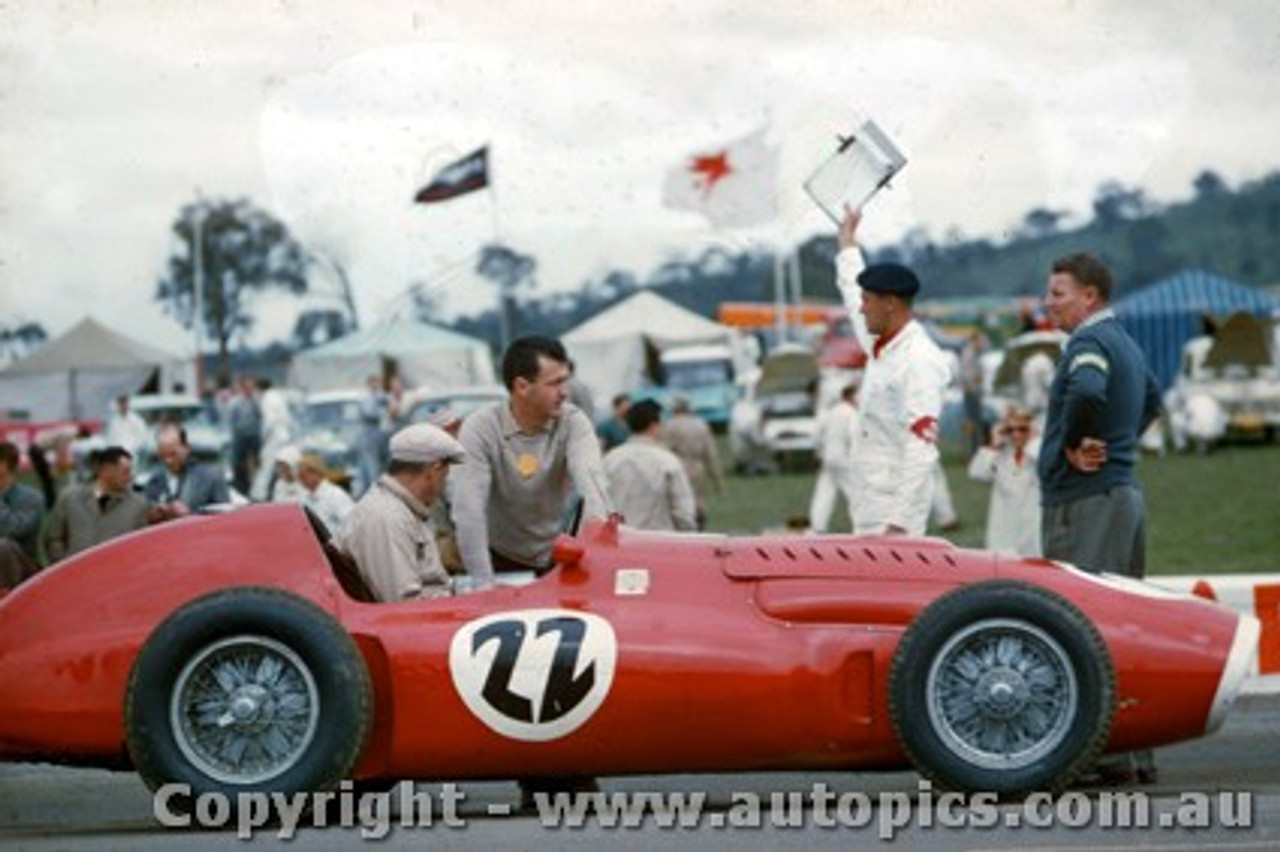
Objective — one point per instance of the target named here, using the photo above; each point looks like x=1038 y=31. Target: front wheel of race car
x=1002 y=687
x=247 y=690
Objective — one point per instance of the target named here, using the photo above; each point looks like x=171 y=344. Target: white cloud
x=331 y=113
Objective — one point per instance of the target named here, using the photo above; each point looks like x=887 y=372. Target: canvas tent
x=612 y=351
x=424 y=355
x=77 y=375
x=1165 y=315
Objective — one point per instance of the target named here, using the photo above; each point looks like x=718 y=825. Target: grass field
x=1214 y=514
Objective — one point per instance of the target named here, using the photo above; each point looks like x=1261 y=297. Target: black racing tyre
x=247 y=690
x=1002 y=687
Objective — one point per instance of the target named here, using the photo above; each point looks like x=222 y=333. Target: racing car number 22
x=534 y=674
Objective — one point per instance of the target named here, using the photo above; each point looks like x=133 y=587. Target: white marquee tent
x=77 y=375
x=611 y=350
x=425 y=355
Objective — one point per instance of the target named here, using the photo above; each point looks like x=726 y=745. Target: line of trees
x=243 y=250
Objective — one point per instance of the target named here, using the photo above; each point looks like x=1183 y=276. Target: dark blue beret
x=891 y=278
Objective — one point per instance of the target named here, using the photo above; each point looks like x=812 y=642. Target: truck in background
x=704 y=374
x=1227 y=384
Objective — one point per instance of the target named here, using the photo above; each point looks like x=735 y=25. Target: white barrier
x=1254 y=594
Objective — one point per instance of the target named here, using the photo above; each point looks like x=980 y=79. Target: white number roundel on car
x=534 y=674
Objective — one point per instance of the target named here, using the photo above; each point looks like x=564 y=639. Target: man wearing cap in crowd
x=526 y=456
x=389 y=533
x=895 y=447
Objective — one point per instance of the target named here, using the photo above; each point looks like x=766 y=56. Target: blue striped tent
x=1165 y=315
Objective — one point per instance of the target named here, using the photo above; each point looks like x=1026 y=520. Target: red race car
x=239 y=653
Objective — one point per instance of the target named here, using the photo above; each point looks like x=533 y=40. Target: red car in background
x=240 y=653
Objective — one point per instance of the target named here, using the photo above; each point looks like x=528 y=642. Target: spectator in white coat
x=287 y=488
x=836 y=427
x=278 y=430
x=330 y=503
x=1009 y=464
x=126 y=428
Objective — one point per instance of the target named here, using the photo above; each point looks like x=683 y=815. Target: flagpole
x=493 y=199
x=504 y=321
x=459 y=178
x=197 y=288
x=779 y=293
x=797 y=284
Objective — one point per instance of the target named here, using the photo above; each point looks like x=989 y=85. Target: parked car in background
x=774 y=423
x=1020 y=373
x=421 y=403
x=330 y=428
x=703 y=374
x=208 y=437
x=1235 y=372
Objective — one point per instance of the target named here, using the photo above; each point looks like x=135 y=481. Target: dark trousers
x=1104 y=532
x=15 y=564
x=503 y=564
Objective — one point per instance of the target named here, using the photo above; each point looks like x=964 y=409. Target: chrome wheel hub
x=244 y=709
x=1002 y=693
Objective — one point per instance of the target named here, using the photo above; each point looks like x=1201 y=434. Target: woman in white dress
x=1009 y=464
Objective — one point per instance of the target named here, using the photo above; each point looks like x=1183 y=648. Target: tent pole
x=197 y=240
x=780 y=294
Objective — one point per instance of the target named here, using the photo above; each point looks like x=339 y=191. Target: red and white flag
x=734 y=186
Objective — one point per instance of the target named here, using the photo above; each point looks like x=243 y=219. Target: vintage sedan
x=241 y=653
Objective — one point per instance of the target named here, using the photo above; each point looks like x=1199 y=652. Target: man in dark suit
x=183 y=486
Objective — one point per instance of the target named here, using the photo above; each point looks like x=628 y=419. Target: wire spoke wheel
x=1002 y=686
x=1002 y=693
x=248 y=689
x=244 y=709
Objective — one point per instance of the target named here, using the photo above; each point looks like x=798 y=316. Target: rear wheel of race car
x=1002 y=687
x=247 y=690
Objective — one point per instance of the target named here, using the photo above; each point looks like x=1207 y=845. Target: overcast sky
x=113 y=114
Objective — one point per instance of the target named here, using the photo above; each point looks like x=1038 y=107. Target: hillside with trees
x=1232 y=233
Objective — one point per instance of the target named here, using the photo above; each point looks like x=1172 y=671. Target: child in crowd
x=1009 y=463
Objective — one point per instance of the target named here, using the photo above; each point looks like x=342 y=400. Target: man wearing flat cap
x=895 y=450
x=389 y=532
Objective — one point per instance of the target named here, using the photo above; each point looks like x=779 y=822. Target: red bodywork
x=732 y=653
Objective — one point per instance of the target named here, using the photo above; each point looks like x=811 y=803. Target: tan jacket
x=690 y=438
x=649 y=486
x=389 y=535
x=77 y=522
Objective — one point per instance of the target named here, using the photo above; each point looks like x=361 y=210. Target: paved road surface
x=1233 y=776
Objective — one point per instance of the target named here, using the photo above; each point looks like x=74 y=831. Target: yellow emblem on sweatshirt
x=526 y=465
